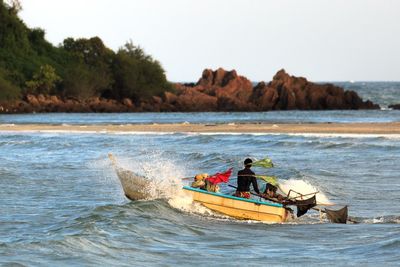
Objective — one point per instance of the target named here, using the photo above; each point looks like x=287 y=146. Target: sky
x=322 y=40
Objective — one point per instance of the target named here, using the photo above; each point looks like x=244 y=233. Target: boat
x=240 y=208
x=136 y=188
x=134 y=185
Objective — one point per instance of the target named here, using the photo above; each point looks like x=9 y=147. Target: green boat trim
x=233 y=197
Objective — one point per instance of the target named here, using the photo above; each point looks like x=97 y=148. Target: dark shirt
x=245 y=178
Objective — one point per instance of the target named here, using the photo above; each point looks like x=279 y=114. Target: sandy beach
x=320 y=128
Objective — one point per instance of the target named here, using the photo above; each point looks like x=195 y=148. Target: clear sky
x=322 y=40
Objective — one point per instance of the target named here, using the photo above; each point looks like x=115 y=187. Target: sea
x=61 y=203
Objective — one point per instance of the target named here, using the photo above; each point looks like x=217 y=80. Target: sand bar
x=304 y=128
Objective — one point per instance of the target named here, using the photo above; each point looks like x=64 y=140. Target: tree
x=43 y=81
x=14 y=5
x=81 y=82
x=137 y=75
x=79 y=67
x=8 y=91
x=94 y=59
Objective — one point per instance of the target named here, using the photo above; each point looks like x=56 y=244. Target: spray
x=304 y=188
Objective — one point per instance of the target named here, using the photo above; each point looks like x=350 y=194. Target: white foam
x=105 y=131
x=346 y=135
x=164 y=176
x=185 y=203
x=304 y=188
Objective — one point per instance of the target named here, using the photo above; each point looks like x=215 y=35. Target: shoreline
x=392 y=128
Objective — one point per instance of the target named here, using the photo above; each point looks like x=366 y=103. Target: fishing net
x=337 y=216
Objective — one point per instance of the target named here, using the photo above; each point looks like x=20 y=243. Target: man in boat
x=271 y=194
x=245 y=178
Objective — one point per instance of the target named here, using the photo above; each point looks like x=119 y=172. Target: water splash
x=304 y=188
x=162 y=180
x=392 y=219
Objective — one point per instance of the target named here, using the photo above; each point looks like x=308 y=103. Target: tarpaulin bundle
x=220 y=177
x=337 y=216
x=304 y=205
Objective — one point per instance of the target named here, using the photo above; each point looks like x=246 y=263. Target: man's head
x=270 y=190
x=248 y=162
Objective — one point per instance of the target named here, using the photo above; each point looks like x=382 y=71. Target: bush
x=79 y=67
x=81 y=82
x=8 y=91
x=137 y=75
x=44 y=81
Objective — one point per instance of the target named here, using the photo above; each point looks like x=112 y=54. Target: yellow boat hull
x=240 y=208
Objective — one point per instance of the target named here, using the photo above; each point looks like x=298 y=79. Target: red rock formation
x=218 y=90
x=194 y=100
x=264 y=97
x=298 y=93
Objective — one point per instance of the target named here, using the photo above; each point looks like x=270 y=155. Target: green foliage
x=92 y=51
x=78 y=67
x=138 y=75
x=22 y=50
x=93 y=59
x=81 y=82
x=44 y=81
x=12 y=29
x=8 y=91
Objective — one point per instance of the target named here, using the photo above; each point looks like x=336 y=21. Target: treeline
x=77 y=68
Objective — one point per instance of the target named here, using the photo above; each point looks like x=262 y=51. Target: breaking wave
x=305 y=188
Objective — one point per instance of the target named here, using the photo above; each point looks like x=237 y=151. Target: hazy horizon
x=324 y=41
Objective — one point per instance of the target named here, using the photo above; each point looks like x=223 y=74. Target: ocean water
x=61 y=203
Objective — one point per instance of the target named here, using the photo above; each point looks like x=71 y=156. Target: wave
x=164 y=175
x=388 y=219
x=303 y=187
x=164 y=181
x=155 y=133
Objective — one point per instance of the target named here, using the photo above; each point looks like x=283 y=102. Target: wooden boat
x=134 y=185
x=240 y=208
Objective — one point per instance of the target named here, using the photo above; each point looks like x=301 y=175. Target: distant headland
x=83 y=75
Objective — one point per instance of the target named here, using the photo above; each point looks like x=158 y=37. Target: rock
x=395 y=106
x=55 y=100
x=232 y=92
x=127 y=102
x=170 y=98
x=157 y=100
x=93 y=100
x=193 y=100
x=31 y=99
x=222 y=90
x=298 y=93
x=264 y=97
x=42 y=99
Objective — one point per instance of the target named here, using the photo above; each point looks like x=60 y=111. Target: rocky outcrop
x=394 y=106
x=222 y=90
x=42 y=103
x=287 y=92
x=217 y=90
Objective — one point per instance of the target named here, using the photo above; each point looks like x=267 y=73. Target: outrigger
x=266 y=210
